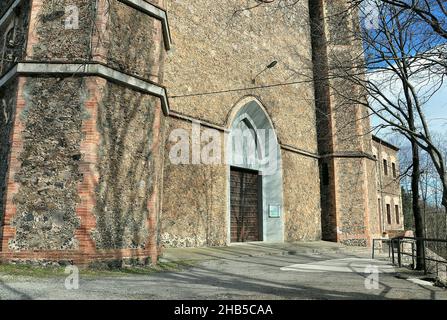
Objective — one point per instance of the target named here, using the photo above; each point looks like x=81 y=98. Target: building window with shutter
x=385 y=167
x=396 y=209
x=394 y=170
x=388 y=213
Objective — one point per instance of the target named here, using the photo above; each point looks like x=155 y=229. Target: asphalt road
x=298 y=276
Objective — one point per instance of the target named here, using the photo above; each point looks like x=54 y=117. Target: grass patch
x=125 y=271
x=23 y=270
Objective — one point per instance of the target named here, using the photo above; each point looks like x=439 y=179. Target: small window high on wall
x=394 y=170
x=388 y=213
x=385 y=167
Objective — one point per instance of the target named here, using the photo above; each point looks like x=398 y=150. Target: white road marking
x=349 y=265
x=420 y=282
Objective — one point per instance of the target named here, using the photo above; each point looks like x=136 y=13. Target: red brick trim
x=8 y=232
x=89 y=151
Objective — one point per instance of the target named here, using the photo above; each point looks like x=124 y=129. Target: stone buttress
x=348 y=196
x=81 y=124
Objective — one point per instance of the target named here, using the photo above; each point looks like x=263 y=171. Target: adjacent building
x=389 y=197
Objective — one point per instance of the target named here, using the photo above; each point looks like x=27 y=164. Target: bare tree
x=399 y=71
x=431 y=12
x=402 y=66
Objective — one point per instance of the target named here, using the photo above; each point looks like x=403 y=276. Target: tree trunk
x=444 y=197
x=418 y=220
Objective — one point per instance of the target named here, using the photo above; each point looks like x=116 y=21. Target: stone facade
x=86 y=169
x=227 y=56
x=194 y=208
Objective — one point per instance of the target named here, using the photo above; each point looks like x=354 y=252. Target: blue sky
x=436 y=112
x=436 y=107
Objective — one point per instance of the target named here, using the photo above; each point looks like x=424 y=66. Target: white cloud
x=432 y=94
x=369 y=14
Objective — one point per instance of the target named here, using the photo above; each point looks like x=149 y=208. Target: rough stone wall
x=52 y=41
x=194 y=201
x=90 y=167
x=351 y=207
x=47 y=195
x=231 y=45
x=219 y=46
x=301 y=198
x=13 y=37
x=7 y=109
x=48 y=175
x=338 y=22
x=126 y=169
x=129 y=125
x=349 y=118
x=133 y=44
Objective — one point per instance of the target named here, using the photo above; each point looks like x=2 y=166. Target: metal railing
x=401 y=250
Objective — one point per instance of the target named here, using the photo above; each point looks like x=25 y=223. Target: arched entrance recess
x=255 y=210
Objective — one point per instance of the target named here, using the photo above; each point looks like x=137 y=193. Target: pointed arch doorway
x=246 y=219
x=254 y=177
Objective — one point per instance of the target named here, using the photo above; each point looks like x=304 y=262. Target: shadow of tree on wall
x=126 y=168
x=49 y=173
x=194 y=197
x=205 y=203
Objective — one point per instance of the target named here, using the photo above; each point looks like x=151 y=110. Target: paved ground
x=303 y=271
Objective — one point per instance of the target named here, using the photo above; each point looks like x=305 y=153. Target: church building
x=129 y=126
